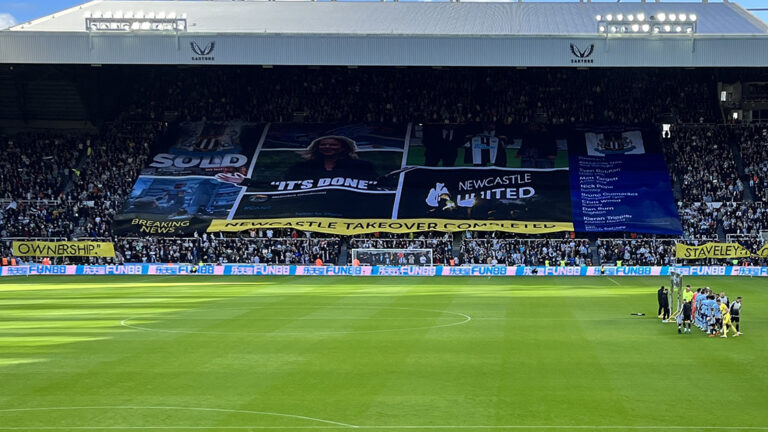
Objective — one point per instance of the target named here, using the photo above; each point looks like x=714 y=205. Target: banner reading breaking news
x=180 y=191
x=359 y=178
x=63 y=248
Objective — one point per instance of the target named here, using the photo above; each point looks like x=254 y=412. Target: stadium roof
x=388 y=33
x=405 y=18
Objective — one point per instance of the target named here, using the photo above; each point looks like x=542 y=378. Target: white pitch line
x=611 y=279
x=436 y=427
x=267 y=413
x=466 y=317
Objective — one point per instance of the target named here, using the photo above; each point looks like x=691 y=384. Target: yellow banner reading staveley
x=356 y=226
x=712 y=250
x=63 y=248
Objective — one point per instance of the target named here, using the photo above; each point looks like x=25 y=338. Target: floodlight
x=609 y=17
x=97 y=14
x=672 y=17
x=689 y=30
x=630 y=17
x=692 y=17
x=172 y=15
x=641 y=17
x=135 y=25
x=678 y=29
x=661 y=17
x=667 y=28
x=619 y=17
x=635 y=27
x=613 y=29
x=602 y=29
x=140 y=14
x=145 y=25
x=646 y=27
x=151 y=15
x=682 y=17
x=656 y=29
x=161 y=15
x=598 y=18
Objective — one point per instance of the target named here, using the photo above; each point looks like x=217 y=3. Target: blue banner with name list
x=620 y=183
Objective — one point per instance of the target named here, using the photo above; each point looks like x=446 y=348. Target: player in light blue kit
x=718 y=314
x=700 y=309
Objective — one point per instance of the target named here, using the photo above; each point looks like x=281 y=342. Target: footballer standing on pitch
x=684 y=325
x=735 y=311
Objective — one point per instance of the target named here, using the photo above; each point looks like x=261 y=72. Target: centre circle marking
x=464 y=319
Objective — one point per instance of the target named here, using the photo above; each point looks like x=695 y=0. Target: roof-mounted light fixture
x=135 y=21
x=662 y=23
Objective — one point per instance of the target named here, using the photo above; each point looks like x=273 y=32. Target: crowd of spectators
x=36 y=166
x=223 y=250
x=456 y=95
x=753 y=145
x=505 y=251
x=701 y=162
x=71 y=184
x=636 y=252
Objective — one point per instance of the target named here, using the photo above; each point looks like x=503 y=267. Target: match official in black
x=660 y=295
x=665 y=304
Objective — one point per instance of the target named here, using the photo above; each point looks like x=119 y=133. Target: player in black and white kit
x=486 y=148
x=735 y=311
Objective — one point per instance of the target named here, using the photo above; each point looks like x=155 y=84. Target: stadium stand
x=84 y=184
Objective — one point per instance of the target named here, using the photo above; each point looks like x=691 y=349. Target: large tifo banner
x=361 y=178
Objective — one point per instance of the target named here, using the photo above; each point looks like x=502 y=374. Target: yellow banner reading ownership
x=356 y=226
x=50 y=249
x=712 y=250
x=763 y=252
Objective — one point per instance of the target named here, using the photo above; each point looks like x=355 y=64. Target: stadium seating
x=69 y=185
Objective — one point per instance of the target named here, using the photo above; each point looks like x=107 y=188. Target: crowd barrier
x=290 y=270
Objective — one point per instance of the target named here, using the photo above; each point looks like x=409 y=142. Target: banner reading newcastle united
x=359 y=178
x=63 y=248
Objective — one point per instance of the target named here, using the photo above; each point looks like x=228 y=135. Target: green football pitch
x=376 y=354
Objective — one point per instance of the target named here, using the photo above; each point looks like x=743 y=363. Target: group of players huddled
x=713 y=313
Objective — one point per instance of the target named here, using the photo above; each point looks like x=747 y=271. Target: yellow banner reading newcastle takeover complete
x=763 y=252
x=53 y=249
x=712 y=250
x=354 y=226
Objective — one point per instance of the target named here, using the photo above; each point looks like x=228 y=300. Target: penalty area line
x=616 y=283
